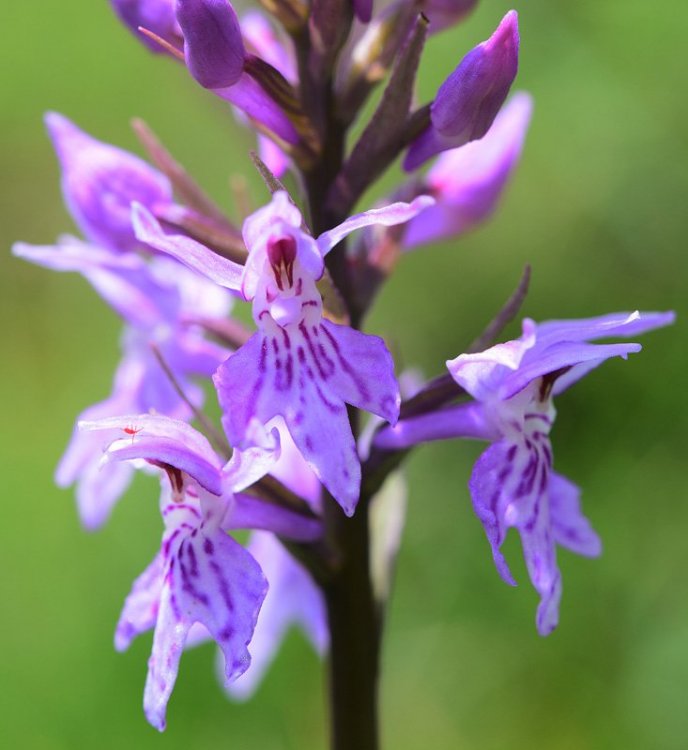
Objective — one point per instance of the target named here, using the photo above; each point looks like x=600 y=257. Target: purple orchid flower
x=155 y=298
x=363 y=10
x=157 y=16
x=468 y=101
x=298 y=365
x=99 y=182
x=201 y=575
x=468 y=182
x=513 y=483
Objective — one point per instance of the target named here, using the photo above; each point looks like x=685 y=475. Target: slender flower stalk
x=297 y=466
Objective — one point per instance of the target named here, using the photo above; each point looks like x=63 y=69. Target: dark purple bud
x=213 y=46
x=99 y=183
x=155 y=15
x=363 y=10
x=468 y=101
x=445 y=13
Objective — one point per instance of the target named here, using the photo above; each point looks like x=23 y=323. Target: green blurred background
x=598 y=207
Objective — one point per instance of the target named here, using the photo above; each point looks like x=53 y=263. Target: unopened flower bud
x=99 y=183
x=155 y=15
x=213 y=46
x=468 y=101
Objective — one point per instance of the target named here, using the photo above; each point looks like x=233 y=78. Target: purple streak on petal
x=540 y=556
x=489 y=500
x=140 y=611
x=396 y=213
x=364 y=370
x=463 y=420
x=468 y=101
x=266 y=378
x=199 y=258
x=570 y=528
x=99 y=183
x=292 y=599
x=223 y=591
x=213 y=45
x=467 y=182
x=250 y=512
x=155 y=15
x=248 y=96
x=259 y=34
x=363 y=10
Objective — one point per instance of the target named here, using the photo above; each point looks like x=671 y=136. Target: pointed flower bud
x=468 y=101
x=213 y=46
x=99 y=182
x=155 y=15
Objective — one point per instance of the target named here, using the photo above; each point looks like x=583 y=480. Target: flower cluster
x=292 y=465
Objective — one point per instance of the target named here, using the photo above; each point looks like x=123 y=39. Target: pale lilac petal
x=395 y=213
x=570 y=528
x=250 y=512
x=463 y=420
x=363 y=372
x=557 y=357
x=280 y=211
x=99 y=488
x=213 y=580
x=604 y=326
x=251 y=384
x=490 y=501
x=213 y=45
x=247 y=466
x=199 y=258
x=140 y=611
x=162 y=440
x=540 y=556
x=292 y=599
x=483 y=373
x=467 y=182
x=99 y=183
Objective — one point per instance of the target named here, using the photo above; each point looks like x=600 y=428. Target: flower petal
x=140 y=611
x=395 y=213
x=199 y=258
x=571 y=529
